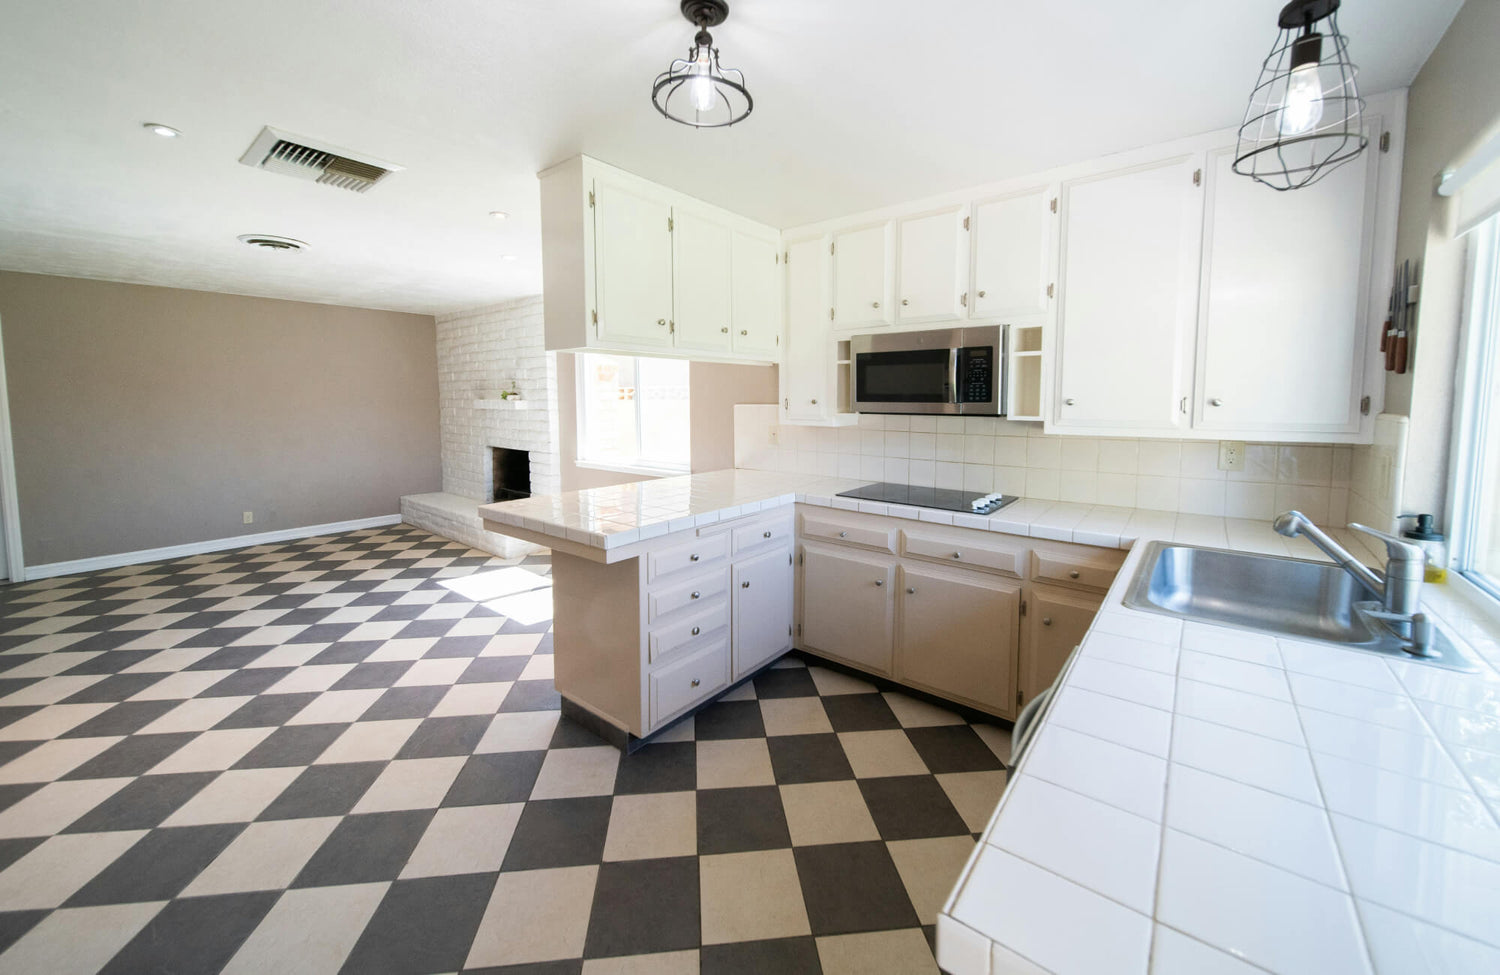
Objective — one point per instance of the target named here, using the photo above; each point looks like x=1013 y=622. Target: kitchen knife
x=1387 y=330
x=1403 y=340
x=1390 y=345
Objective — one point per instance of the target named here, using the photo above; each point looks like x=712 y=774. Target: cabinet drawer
x=1070 y=570
x=762 y=535
x=667 y=638
x=689 y=555
x=696 y=591
x=691 y=680
x=835 y=530
x=978 y=554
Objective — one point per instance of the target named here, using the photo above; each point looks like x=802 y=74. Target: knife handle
x=1390 y=351
x=1385 y=335
x=1401 y=347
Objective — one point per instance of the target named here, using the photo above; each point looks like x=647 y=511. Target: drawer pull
x=696 y=682
x=693 y=557
x=1073 y=574
x=879 y=582
x=1046 y=621
x=695 y=630
x=958 y=555
x=765 y=534
x=696 y=594
x=843 y=534
x=911 y=592
x=745 y=584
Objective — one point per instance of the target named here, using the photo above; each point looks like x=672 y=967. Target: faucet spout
x=1294 y=523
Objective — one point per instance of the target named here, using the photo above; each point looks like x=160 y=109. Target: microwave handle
x=953 y=355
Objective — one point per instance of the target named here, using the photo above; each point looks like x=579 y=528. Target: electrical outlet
x=249 y=517
x=1231 y=455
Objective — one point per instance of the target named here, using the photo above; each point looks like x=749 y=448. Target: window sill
x=643 y=470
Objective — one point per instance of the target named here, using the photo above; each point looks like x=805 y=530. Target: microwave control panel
x=976 y=374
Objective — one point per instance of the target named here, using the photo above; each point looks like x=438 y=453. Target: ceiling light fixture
x=698 y=91
x=273 y=242
x=499 y=214
x=156 y=128
x=1304 y=118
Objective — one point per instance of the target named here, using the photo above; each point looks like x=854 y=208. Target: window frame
x=581 y=458
x=1476 y=400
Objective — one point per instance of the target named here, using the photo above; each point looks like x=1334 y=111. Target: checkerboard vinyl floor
x=344 y=754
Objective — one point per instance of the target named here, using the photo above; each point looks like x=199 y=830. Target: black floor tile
x=808 y=758
x=135 y=755
x=404 y=702
x=158 y=867
x=125 y=718
x=350 y=652
x=418 y=629
x=457 y=646
x=446 y=737
x=113 y=661
x=267 y=711
x=13 y=850
x=142 y=804
x=196 y=934
x=859 y=712
x=849 y=887
x=571 y=734
x=559 y=833
x=12 y=794
x=493 y=778
x=644 y=906
x=365 y=849
x=117 y=687
x=665 y=766
x=227 y=658
x=910 y=807
x=422 y=925
x=784 y=956
x=324 y=790
x=292 y=745
x=490 y=670
x=953 y=748
x=785 y=682
x=738 y=820
x=366 y=675
x=15 y=924
x=729 y=719
x=532 y=695
x=247 y=682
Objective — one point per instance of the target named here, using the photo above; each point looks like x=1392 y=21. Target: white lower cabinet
x=761 y=588
x=1056 y=621
x=957 y=635
x=849 y=606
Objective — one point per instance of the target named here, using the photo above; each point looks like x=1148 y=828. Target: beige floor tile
x=472 y=699
x=684 y=729
x=440 y=672
x=77 y=941
x=199 y=714
x=288 y=655
x=974 y=795
x=383 y=630
x=795 y=716
x=511 y=644
x=913 y=713
x=212 y=751
x=411 y=648
x=571 y=772
x=50 y=690
x=183 y=684
x=53 y=759
x=478 y=626
x=666 y=963
x=535 y=915
x=888 y=952
x=520 y=731
x=237 y=796
x=369 y=741
x=51 y=664
x=413 y=783
x=309 y=932
x=648 y=827
x=304 y=680
x=733 y=763
x=54 y=871
x=750 y=897
x=268 y=636
x=538 y=667
x=873 y=754
x=997 y=738
x=827 y=812
x=337 y=707
x=744 y=692
x=464 y=839
x=831 y=683
x=266 y=856
x=167 y=661
x=929 y=869
x=51 y=721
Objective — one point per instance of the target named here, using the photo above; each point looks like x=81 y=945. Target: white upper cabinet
x=807 y=372
x=701 y=276
x=929 y=272
x=1128 y=305
x=755 y=290
x=633 y=255
x=1011 y=240
x=861 y=276
x=1284 y=313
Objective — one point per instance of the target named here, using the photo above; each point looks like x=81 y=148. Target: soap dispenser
x=1427 y=536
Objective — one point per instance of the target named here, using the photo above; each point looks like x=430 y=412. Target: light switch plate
x=1231 y=455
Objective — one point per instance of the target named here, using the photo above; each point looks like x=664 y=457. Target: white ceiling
x=858 y=104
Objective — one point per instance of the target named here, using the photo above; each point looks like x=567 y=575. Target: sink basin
x=1292 y=597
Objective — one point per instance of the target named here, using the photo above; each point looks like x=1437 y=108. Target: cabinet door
x=860 y=276
x=1011 y=241
x=847 y=607
x=701 y=282
x=1129 y=284
x=762 y=613
x=755 y=316
x=632 y=266
x=929 y=273
x=959 y=635
x=1055 y=624
x=1285 y=278
x=807 y=372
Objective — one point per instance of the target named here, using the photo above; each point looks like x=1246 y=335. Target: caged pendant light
x=1304 y=116
x=697 y=91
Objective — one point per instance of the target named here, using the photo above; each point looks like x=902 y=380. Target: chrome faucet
x=1399 y=588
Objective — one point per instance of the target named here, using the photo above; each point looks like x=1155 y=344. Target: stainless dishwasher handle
x=1021 y=733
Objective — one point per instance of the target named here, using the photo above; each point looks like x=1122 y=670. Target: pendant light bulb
x=1303 y=109
x=702 y=85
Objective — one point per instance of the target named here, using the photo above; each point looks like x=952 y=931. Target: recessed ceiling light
x=156 y=128
x=499 y=214
x=508 y=257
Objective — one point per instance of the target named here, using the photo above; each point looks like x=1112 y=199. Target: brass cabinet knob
x=1069 y=402
x=879 y=582
x=661 y=321
x=843 y=534
x=911 y=592
x=958 y=555
x=1073 y=574
x=981 y=294
x=904 y=302
x=744 y=331
x=725 y=330
x=1046 y=621
x=696 y=682
x=1215 y=402
x=814 y=402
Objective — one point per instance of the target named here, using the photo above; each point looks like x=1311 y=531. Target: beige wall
x=1454 y=102
x=146 y=417
x=713 y=389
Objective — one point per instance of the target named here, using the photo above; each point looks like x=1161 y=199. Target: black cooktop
x=947 y=499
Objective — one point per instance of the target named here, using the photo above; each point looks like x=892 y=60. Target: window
x=633 y=413
x=1476 y=462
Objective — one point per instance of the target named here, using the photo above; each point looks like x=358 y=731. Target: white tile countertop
x=1203 y=799
x=623 y=514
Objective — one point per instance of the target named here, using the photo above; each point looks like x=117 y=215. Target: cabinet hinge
x=669 y=225
x=830 y=314
x=591 y=198
x=1051 y=290
x=594 y=315
x=778 y=340
x=789 y=629
x=1364 y=406
x=778 y=257
x=1023 y=607
x=799 y=629
x=1019 y=699
x=1197 y=177
x=801 y=556
x=1385 y=142
x=786 y=257
x=672 y=328
x=789 y=558
x=1054 y=204
x=963 y=299
x=1182 y=407
x=966 y=223
x=831 y=245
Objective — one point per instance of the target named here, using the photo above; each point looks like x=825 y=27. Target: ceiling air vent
x=293 y=155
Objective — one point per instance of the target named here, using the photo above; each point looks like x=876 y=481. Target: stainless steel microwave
x=949 y=370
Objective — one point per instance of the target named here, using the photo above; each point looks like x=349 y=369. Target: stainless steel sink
x=1294 y=597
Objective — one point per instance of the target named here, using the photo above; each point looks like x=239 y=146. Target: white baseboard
x=199 y=548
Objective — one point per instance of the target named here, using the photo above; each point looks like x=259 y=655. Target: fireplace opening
x=510 y=474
